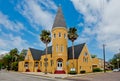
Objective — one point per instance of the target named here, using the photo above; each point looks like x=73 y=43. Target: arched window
x=87 y=59
x=40 y=63
x=54 y=35
x=64 y=35
x=83 y=59
x=62 y=48
x=36 y=64
x=59 y=34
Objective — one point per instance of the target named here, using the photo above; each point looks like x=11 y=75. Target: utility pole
x=104 y=56
x=118 y=60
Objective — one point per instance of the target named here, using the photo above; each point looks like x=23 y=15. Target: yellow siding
x=49 y=68
x=60 y=41
x=20 y=66
x=70 y=65
x=97 y=63
x=85 y=65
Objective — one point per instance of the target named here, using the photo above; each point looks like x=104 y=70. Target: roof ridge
x=35 y=49
x=59 y=19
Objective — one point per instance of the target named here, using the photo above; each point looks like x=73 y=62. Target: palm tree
x=45 y=37
x=72 y=35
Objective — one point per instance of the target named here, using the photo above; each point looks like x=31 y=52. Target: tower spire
x=59 y=19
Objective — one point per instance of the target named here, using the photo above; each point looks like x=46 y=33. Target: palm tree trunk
x=73 y=52
x=11 y=63
x=46 y=61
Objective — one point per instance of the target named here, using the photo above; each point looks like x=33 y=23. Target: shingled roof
x=49 y=50
x=36 y=53
x=59 y=19
x=77 y=50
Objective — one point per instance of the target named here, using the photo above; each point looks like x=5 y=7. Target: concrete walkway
x=58 y=75
x=50 y=75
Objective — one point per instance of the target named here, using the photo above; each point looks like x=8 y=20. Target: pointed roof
x=59 y=19
x=36 y=53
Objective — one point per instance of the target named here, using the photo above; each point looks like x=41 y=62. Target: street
x=14 y=76
x=108 y=76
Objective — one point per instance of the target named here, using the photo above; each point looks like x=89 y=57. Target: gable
x=85 y=53
x=28 y=55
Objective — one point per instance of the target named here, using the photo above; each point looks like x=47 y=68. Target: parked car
x=119 y=69
x=116 y=70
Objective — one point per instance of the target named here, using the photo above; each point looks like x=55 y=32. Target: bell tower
x=59 y=41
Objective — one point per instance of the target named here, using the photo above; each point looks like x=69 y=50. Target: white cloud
x=10 y=25
x=38 y=12
x=8 y=41
x=3 y=52
x=106 y=15
x=89 y=8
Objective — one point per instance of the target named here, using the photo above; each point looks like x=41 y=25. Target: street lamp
x=118 y=63
x=104 y=56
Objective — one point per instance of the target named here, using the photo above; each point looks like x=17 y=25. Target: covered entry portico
x=59 y=66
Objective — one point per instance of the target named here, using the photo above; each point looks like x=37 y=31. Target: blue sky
x=97 y=21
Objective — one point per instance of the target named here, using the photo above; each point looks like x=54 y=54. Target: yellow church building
x=59 y=54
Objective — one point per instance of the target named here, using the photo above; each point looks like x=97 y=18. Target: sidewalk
x=59 y=75
x=49 y=75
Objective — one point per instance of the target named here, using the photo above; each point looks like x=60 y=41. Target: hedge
x=82 y=71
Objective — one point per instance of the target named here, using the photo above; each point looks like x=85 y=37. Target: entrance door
x=59 y=65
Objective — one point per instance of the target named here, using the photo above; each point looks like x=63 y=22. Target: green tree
x=22 y=54
x=114 y=61
x=14 y=53
x=7 y=61
x=15 y=66
x=93 y=56
x=0 y=65
x=72 y=35
x=45 y=37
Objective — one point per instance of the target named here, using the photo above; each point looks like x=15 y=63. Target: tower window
x=41 y=64
x=57 y=48
x=59 y=34
x=64 y=35
x=54 y=35
x=62 y=48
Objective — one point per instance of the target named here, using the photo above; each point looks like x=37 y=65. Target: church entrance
x=59 y=65
x=59 y=69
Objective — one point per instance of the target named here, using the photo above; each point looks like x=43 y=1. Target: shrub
x=97 y=70
x=0 y=66
x=8 y=68
x=72 y=72
x=82 y=71
x=38 y=70
x=15 y=66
